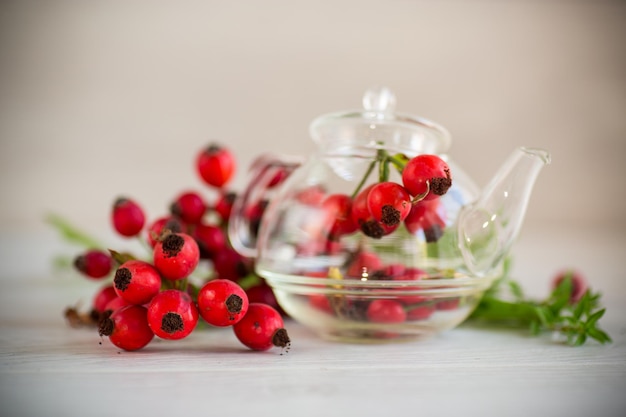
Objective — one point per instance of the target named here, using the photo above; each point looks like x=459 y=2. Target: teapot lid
x=377 y=124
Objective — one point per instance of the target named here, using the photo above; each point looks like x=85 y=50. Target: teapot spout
x=488 y=227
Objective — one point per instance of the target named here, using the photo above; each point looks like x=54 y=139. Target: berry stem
x=421 y=196
x=364 y=179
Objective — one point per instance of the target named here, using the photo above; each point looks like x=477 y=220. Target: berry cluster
x=155 y=296
x=380 y=208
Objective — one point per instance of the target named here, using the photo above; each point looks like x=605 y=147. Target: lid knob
x=379 y=100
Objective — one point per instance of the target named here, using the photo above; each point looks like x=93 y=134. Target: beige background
x=103 y=98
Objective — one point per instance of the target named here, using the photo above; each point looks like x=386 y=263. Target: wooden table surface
x=49 y=369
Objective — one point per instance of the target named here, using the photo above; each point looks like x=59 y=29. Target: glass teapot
x=411 y=279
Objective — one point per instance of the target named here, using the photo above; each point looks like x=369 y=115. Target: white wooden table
x=49 y=369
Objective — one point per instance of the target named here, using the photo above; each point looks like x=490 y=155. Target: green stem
x=72 y=234
x=364 y=179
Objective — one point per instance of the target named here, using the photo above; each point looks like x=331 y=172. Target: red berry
x=448 y=303
x=339 y=207
x=127 y=328
x=427 y=173
x=172 y=314
x=263 y=293
x=364 y=264
x=311 y=196
x=578 y=283
x=216 y=165
x=94 y=264
x=362 y=216
x=116 y=303
x=411 y=274
x=103 y=297
x=254 y=215
x=427 y=215
x=210 y=239
x=230 y=264
x=261 y=328
x=386 y=311
x=128 y=218
x=221 y=302
x=189 y=207
x=224 y=205
x=389 y=203
x=137 y=281
x=155 y=230
x=176 y=255
x=421 y=312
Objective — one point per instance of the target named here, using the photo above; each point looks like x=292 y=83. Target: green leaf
x=580 y=340
x=592 y=320
x=516 y=290
x=121 y=257
x=71 y=234
x=599 y=335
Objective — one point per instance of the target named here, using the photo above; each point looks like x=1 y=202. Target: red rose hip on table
x=172 y=314
x=176 y=255
x=261 y=328
x=221 y=302
x=137 y=282
x=127 y=328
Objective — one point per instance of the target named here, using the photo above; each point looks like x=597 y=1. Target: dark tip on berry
x=440 y=185
x=234 y=303
x=106 y=325
x=433 y=233
x=122 y=279
x=213 y=148
x=120 y=201
x=390 y=216
x=281 y=338
x=172 y=322
x=230 y=197
x=175 y=209
x=379 y=276
x=372 y=229
x=172 y=244
x=80 y=263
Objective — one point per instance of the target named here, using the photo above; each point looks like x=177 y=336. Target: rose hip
x=426 y=175
x=339 y=209
x=362 y=216
x=216 y=165
x=426 y=215
x=127 y=328
x=176 y=255
x=128 y=217
x=94 y=264
x=103 y=297
x=210 y=239
x=386 y=311
x=137 y=281
x=189 y=207
x=157 y=227
x=389 y=203
x=221 y=302
x=224 y=205
x=261 y=328
x=172 y=314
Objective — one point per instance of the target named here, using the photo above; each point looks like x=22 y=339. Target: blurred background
x=107 y=98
